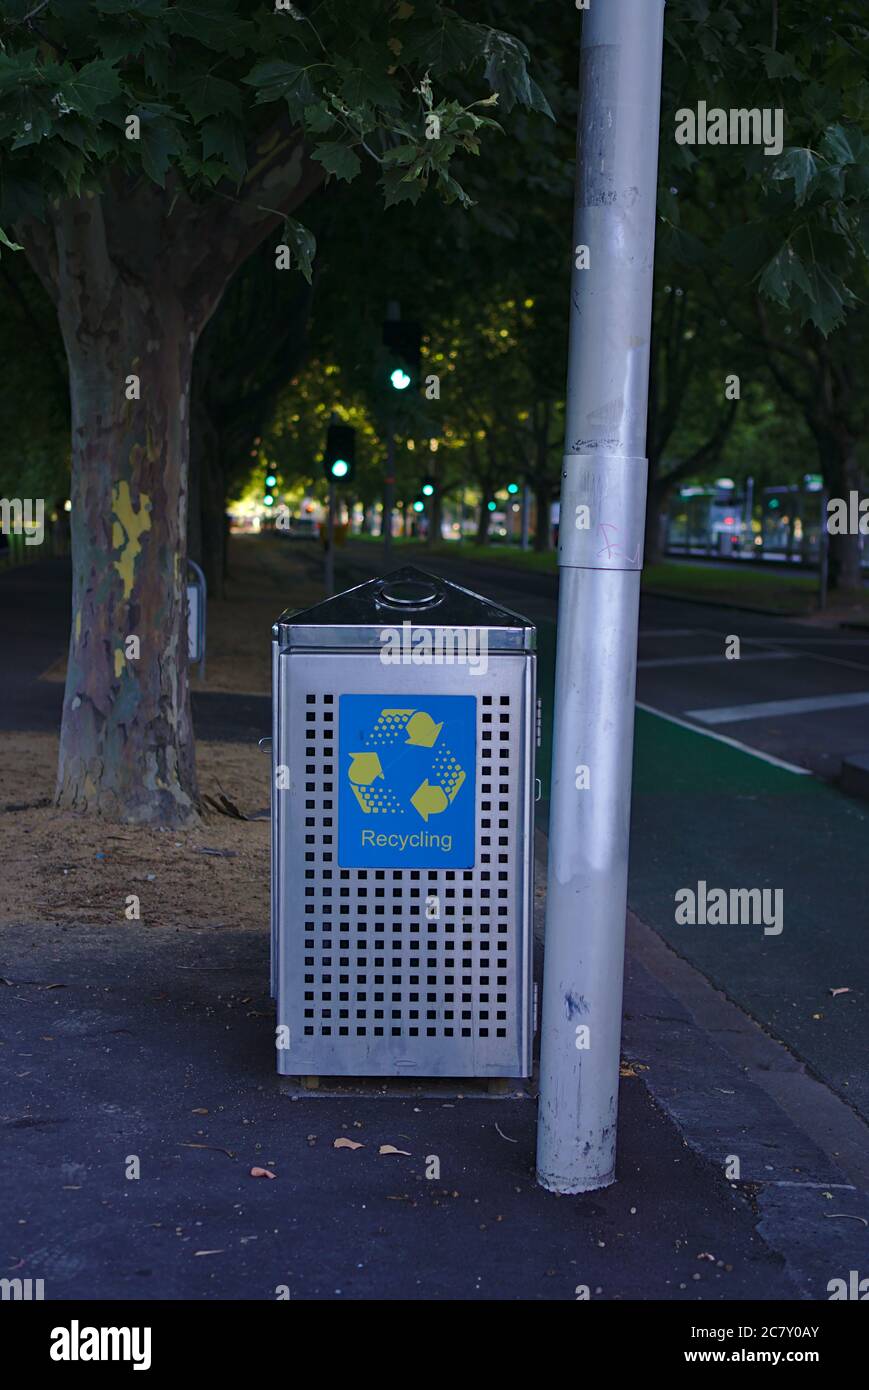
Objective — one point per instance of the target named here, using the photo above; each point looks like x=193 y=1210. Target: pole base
x=564 y=1188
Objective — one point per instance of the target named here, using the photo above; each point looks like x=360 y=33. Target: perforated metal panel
x=402 y=971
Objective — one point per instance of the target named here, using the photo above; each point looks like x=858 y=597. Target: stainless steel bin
x=402 y=833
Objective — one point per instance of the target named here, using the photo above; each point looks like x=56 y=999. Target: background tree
x=139 y=181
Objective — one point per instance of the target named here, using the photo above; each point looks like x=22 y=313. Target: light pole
x=602 y=516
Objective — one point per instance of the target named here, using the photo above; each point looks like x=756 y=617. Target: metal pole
x=603 y=494
x=330 y=544
x=526 y=514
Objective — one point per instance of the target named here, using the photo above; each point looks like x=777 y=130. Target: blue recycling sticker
x=407 y=781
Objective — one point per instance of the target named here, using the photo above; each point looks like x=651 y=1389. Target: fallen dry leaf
x=262 y=1173
x=391 y=1149
x=844 y=990
x=208 y=1252
x=199 y=1111
x=215 y=1148
x=346 y=1144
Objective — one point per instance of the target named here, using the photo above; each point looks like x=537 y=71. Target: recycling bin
x=402 y=833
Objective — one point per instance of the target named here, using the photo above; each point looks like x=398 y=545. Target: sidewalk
x=158 y=1044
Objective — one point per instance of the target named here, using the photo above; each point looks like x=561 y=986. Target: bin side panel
x=421 y=971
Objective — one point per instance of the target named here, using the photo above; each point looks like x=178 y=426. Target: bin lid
x=357 y=617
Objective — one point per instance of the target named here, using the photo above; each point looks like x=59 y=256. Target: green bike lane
x=704 y=811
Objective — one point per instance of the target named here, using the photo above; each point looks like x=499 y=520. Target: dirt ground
x=75 y=869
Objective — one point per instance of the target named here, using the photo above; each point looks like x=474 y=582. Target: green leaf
x=396 y=188
x=158 y=142
x=339 y=159
x=318 y=118
x=781 y=274
x=223 y=139
x=4 y=241
x=507 y=73
x=288 y=81
x=780 y=65
x=215 y=24
x=33 y=123
x=366 y=87
x=840 y=146
x=207 y=95
x=302 y=243
x=401 y=154
x=92 y=87
x=447 y=46
x=799 y=165
x=452 y=190
x=829 y=299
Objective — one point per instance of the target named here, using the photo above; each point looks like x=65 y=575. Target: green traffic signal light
x=399 y=379
x=271 y=480
x=513 y=488
x=419 y=505
x=428 y=489
x=339 y=468
x=492 y=506
x=268 y=500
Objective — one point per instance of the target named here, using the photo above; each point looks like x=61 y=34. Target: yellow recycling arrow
x=364 y=768
x=422 y=730
x=429 y=800
x=457 y=787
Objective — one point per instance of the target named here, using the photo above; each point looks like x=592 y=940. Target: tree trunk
x=543 y=530
x=482 y=535
x=126 y=742
x=435 y=518
x=841 y=472
x=657 y=499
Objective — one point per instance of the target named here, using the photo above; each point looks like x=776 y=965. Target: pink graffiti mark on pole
x=610 y=548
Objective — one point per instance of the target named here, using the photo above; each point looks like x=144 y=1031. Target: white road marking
x=812 y=641
x=723 y=738
x=732 y=714
x=710 y=660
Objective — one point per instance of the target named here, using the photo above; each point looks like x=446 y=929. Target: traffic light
x=340 y=457
x=271 y=480
x=401 y=339
x=428 y=487
x=492 y=506
x=512 y=488
x=419 y=505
